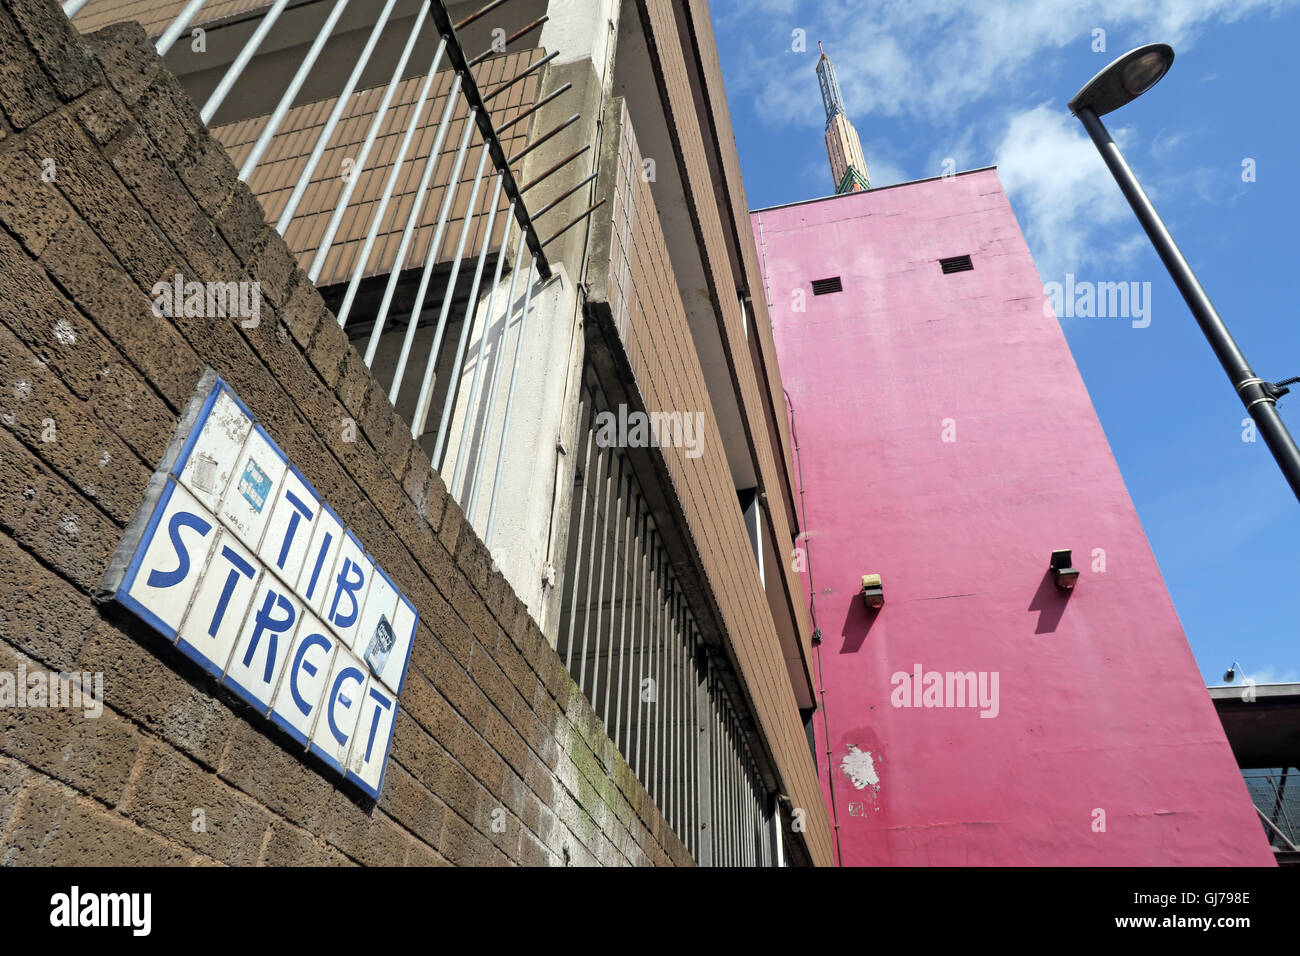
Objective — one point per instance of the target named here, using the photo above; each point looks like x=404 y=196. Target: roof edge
x=873 y=189
x=1220 y=692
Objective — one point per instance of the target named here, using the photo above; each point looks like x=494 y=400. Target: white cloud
x=929 y=58
x=1272 y=675
x=955 y=76
x=884 y=173
x=1166 y=142
x=1063 y=192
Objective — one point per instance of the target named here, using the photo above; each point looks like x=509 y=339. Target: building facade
x=486 y=314
x=1003 y=679
x=1262 y=723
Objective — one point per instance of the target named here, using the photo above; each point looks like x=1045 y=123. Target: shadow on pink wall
x=1049 y=601
x=857 y=625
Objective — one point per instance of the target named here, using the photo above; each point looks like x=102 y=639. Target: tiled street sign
x=235 y=559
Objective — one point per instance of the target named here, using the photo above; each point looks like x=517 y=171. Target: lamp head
x=1125 y=79
x=873 y=591
x=1063 y=574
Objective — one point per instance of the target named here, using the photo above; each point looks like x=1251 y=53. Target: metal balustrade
x=632 y=644
x=1276 y=795
x=419 y=360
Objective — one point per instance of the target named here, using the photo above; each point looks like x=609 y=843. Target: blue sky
x=987 y=83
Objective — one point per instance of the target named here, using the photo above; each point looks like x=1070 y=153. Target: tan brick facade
x=286 y=157
x=752 y=635
x=634 y=291
x=156 y=15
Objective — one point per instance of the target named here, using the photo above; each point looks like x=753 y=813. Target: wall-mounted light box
x=235 y=559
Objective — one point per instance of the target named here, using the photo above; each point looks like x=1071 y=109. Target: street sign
x=236 y=560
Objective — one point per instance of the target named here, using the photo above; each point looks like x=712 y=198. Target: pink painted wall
x=1101 y=706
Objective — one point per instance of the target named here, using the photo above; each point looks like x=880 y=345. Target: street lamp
x=1125 y=80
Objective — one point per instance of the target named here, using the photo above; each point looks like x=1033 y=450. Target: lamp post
x=1125 y=80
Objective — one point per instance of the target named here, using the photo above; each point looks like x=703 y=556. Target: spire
x=832 y=98
x=843 y=149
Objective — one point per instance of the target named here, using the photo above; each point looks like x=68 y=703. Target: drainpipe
x=817 y=632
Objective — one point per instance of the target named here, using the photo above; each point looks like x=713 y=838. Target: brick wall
x=632 y=288
x=488 y=719
x=156 y=15
x=679 y=79
x=736 y=222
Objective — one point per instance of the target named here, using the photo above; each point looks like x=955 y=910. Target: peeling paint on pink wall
x=947 y=442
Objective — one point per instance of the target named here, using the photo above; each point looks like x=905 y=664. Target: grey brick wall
x=489 y=719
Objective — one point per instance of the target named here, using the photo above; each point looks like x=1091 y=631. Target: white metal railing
x=630 y=641
x=416 y=377
x=1276 y=795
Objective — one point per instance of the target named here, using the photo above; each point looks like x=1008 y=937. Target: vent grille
x=826 y=286
x=956 y=264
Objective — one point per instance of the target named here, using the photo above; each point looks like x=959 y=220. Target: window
x=956 y=264
x=826 y=286
x=749 y=507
